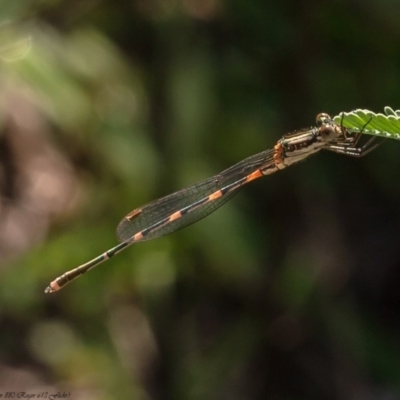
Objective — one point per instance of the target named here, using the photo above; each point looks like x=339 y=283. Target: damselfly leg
x=348 y=144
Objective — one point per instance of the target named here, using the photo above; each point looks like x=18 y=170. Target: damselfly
x=182 y=208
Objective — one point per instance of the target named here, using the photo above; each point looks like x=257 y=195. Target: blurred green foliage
x=290 y=291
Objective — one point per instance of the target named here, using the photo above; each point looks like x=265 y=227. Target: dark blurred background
x=289 y=291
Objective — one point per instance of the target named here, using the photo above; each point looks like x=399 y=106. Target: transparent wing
x=153 y=217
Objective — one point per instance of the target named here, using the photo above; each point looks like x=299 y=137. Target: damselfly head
x=327 y=128
x=323 y=119
x=328 y=132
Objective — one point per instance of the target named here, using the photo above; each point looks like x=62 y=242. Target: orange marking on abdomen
x=254 y=175
x=54 y=286
x=138 y=236
x=215 y=195
x=175 y=216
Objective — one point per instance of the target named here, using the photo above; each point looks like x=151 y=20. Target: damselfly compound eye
x=323 y=118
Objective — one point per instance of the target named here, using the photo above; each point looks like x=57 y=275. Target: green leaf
x=386 y=125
